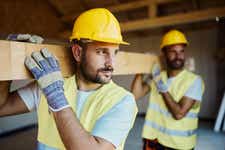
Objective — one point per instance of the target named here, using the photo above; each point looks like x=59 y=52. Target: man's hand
x=161 y=86
x=4 y=91
x=25 y=38
x=45 y=69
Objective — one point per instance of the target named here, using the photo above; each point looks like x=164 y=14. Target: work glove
x=25 y=38
x=161 y=86
x=45 y=68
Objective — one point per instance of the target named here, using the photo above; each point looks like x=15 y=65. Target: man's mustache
x=106 y=69
x=182 y=60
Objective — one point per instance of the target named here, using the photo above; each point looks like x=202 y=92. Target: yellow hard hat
x=173 y=37
x=97 y=24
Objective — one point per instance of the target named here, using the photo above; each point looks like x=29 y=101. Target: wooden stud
x=152 y=9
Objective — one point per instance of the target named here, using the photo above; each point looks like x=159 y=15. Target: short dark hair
x=82 y=43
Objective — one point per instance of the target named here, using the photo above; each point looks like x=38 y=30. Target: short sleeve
x=195 y=91
x=30 y=95
x=116 y=123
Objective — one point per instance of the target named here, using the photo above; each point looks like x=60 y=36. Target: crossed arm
x=178 y=110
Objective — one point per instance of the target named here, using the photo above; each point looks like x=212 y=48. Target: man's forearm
x=138 y=87
x=173 y=106
x=4 y=91
x=73 y=135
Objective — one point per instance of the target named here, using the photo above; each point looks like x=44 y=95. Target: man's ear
x=162 y=58
x=77 y=52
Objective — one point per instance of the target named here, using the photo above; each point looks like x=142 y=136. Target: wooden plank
x=121 y=7
x=175 y=19
x=152 y=9
x=56 y=6
x=12 y=57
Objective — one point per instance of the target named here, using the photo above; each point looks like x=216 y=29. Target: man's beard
x=176 y=64
x=95 y=78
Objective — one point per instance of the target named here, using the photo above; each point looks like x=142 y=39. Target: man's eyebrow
x=101 y=48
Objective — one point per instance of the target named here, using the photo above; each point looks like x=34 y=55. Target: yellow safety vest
x=159 y=123
x=97 y=104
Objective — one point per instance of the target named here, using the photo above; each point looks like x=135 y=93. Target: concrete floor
x=207 y=139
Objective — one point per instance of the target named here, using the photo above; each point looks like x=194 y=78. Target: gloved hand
x=161 y=86
x=45 y=69
x=25 y=38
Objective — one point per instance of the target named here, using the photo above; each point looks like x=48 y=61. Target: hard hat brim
x=104 y=40
x=162 y=46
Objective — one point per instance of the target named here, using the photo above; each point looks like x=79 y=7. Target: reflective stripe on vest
x=169 y=131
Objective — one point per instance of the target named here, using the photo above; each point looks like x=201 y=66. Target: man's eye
x=101 y=52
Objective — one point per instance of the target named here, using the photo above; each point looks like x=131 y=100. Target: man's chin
x=104 y=80
x=177 y=66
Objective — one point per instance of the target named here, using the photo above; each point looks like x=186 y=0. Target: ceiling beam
x=152 y=9
x=183 y=18
x=56 y=6
x=175 y=19
x=122 y=7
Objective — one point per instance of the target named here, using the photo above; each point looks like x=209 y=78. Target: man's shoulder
x=128 y=97
x=195 y=75
x=120 y=88
x=191 y=72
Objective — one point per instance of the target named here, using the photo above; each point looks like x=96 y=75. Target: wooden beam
x=122 y=7
x=175 y=19
x=12 y=55
x=152 y=9
x=56 y=6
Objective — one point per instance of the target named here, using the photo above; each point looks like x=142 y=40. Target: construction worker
x=87 y=111
x=174 y=102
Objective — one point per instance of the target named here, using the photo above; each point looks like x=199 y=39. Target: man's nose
x=179 y=56
x=110 y=60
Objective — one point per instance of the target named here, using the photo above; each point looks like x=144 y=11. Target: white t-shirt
x=194 y=91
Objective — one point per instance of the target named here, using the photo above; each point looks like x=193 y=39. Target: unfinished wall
x=203 y=47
